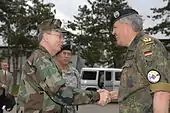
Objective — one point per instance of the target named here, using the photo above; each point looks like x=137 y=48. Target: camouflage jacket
x=41 y=81
x=72 y=77
x=146 y=71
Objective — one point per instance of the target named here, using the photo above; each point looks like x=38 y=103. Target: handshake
x=106 y=96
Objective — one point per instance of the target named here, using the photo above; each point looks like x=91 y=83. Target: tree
x=95 y=42
x=162 y=14
x=19 y=24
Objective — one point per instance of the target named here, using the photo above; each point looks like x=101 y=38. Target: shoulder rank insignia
x=153 y=76
x=147 y=40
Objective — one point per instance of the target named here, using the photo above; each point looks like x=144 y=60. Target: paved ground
x=110 y=108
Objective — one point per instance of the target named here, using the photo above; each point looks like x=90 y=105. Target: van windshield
x=89 y=75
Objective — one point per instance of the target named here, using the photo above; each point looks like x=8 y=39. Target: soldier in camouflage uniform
x=145 y=80
x=42 y=87
x=69 y=73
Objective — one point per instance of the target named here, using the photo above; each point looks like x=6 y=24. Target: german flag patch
x=148 y=53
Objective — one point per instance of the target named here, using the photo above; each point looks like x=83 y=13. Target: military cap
x=122 y=13
x=51 y=24
x=65 y=47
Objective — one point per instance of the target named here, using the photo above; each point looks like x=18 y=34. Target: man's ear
x=45 y=37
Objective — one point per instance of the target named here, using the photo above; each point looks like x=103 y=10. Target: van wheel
x=91 y=89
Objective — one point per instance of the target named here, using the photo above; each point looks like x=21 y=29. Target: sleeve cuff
x=160 y=87
x=96 y=96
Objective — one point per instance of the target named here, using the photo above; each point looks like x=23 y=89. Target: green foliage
x=20 y=20
x=162 y=14
x=96 y=44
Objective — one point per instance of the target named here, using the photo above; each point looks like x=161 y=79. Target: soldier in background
x=42 y=87
x=145 y=80
x=69 y=73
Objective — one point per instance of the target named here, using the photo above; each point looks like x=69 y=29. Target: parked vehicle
x=100 y=78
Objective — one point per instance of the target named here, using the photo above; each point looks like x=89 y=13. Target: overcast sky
x=67 y=8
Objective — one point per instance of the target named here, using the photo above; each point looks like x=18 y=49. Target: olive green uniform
x=146 y=71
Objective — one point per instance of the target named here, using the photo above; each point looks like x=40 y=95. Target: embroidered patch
x=148 y=53
x=149 y=43
x=147 y=39
x=153 y=76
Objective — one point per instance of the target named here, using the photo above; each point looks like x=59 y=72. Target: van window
x=89 y=75
x=108 y=76
x=117 y=76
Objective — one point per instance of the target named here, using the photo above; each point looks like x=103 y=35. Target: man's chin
x=120 y=44
x=66 y=62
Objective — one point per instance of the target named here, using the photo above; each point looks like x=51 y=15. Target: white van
x=100 y=78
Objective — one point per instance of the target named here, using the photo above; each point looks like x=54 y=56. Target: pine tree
x=95 y=42
x=162 y=14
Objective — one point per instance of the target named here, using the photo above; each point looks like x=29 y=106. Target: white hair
x=134 y=20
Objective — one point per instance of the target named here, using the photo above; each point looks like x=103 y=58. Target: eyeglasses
x=60 y=36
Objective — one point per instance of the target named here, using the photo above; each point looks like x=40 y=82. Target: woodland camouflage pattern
x=42 y=81
x=136 y=91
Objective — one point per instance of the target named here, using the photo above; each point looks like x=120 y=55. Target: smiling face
x=121 y=32
x=54 y=40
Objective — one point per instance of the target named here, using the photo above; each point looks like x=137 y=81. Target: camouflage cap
x=51 y=24
x=122 y=13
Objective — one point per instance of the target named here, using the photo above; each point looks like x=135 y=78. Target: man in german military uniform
x=145 y=80
x=42 y=86
x=69 y=73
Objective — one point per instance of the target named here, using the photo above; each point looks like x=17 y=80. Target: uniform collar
x=69 y=69
x=43 y=49
x=135 y=41
x=131 y=49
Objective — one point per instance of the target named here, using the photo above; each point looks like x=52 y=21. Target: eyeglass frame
x=60 y=36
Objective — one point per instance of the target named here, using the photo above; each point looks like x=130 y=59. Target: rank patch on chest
x=153 y=76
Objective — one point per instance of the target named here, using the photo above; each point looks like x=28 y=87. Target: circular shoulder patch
x=153 y=76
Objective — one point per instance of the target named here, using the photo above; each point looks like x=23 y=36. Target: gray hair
x=134 y=20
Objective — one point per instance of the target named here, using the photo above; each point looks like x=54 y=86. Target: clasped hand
x=106 y=96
